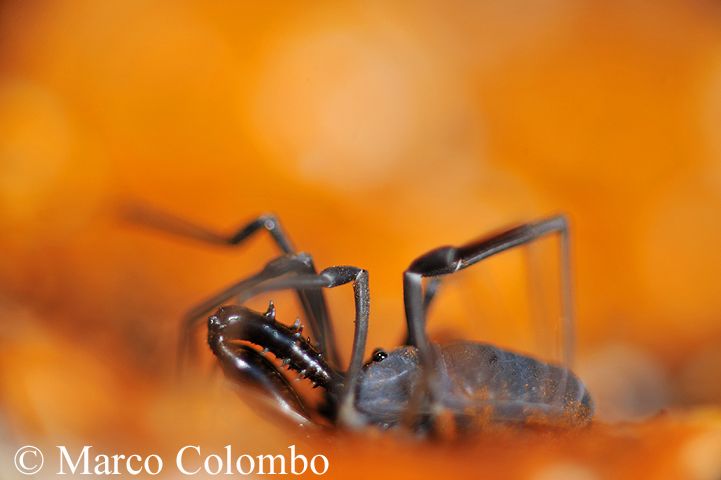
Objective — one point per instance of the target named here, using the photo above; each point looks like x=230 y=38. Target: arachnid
x=416 y=385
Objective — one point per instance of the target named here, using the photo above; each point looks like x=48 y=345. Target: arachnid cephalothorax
x=413 y=385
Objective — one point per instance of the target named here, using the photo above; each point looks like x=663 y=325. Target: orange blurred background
x=376 y=131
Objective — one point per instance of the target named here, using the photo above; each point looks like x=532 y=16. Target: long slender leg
x=447 y=260
x=329 y=278
x=312 y=301
x=430 y=293
x=159 y=220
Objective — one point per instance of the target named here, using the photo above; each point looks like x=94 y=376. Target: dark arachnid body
x=413 y=385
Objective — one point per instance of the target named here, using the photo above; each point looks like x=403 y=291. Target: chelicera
x=419 y=385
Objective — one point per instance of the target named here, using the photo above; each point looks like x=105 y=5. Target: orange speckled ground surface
x=376 y=131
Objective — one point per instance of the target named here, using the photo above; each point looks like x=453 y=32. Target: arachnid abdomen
x=474 y=381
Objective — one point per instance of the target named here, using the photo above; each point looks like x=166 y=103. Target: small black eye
x=379 y=355
x=493 y=360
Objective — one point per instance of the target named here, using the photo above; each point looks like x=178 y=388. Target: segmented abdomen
x=486 y=381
